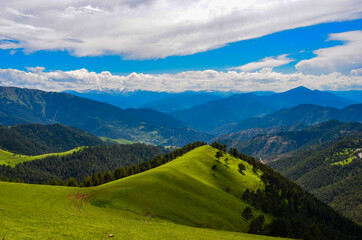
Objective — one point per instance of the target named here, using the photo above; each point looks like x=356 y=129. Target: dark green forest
x=271 y=146
x=36 y=139
x=298 y=213
x=81 y=163
x=331 y=171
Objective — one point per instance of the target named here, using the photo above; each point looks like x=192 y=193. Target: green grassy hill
x=115 y=141
x=182 y=199
x=186 y=191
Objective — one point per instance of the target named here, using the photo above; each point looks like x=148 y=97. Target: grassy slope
x=9 y=158
x=113 y=141
x=165 y=190
x=150 y=205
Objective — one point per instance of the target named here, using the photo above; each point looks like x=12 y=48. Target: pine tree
x=247 y=214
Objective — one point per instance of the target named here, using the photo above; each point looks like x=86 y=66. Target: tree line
x=80 y=164
x=297 y=213
x=93 y=165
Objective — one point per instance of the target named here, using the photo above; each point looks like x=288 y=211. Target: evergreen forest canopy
x=35 y=139
x=272 y=146
x=330 y=171
x=80 y=164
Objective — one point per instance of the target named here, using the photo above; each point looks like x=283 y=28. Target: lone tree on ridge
x=214 y=168
x=218 y=155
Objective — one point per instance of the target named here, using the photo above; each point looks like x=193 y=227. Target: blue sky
x=177 y=46
x=292 y=42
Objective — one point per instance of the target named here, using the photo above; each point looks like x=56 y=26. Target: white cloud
x=265 y=79
x=141 y=29
x=356 y=72
x=17 y=13
x=267 y=62
x=341 y=58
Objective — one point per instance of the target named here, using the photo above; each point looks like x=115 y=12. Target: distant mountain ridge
x=214 y=115
x=303 y=95
x=121 y=98
x=209 y=116
x=159 y=101
x=308 y=114
x=139 y=125
x=354 y=95
x=181 y=101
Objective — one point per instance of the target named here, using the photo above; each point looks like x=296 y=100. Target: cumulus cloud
x=144 y=29
x=356 y=71
x=267 y=62
x=265 y=79
x=341 y=58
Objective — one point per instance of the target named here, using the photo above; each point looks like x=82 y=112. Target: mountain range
x=190 y=106
x=209 y=117
x=160 y=101
x=141 y=125
x=181 y=101
x=307 y=114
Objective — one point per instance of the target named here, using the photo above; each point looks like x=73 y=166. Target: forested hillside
x=35 y=139
x=269 y=146
x=331 y=171
x=80 y=163
x=60 y=138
